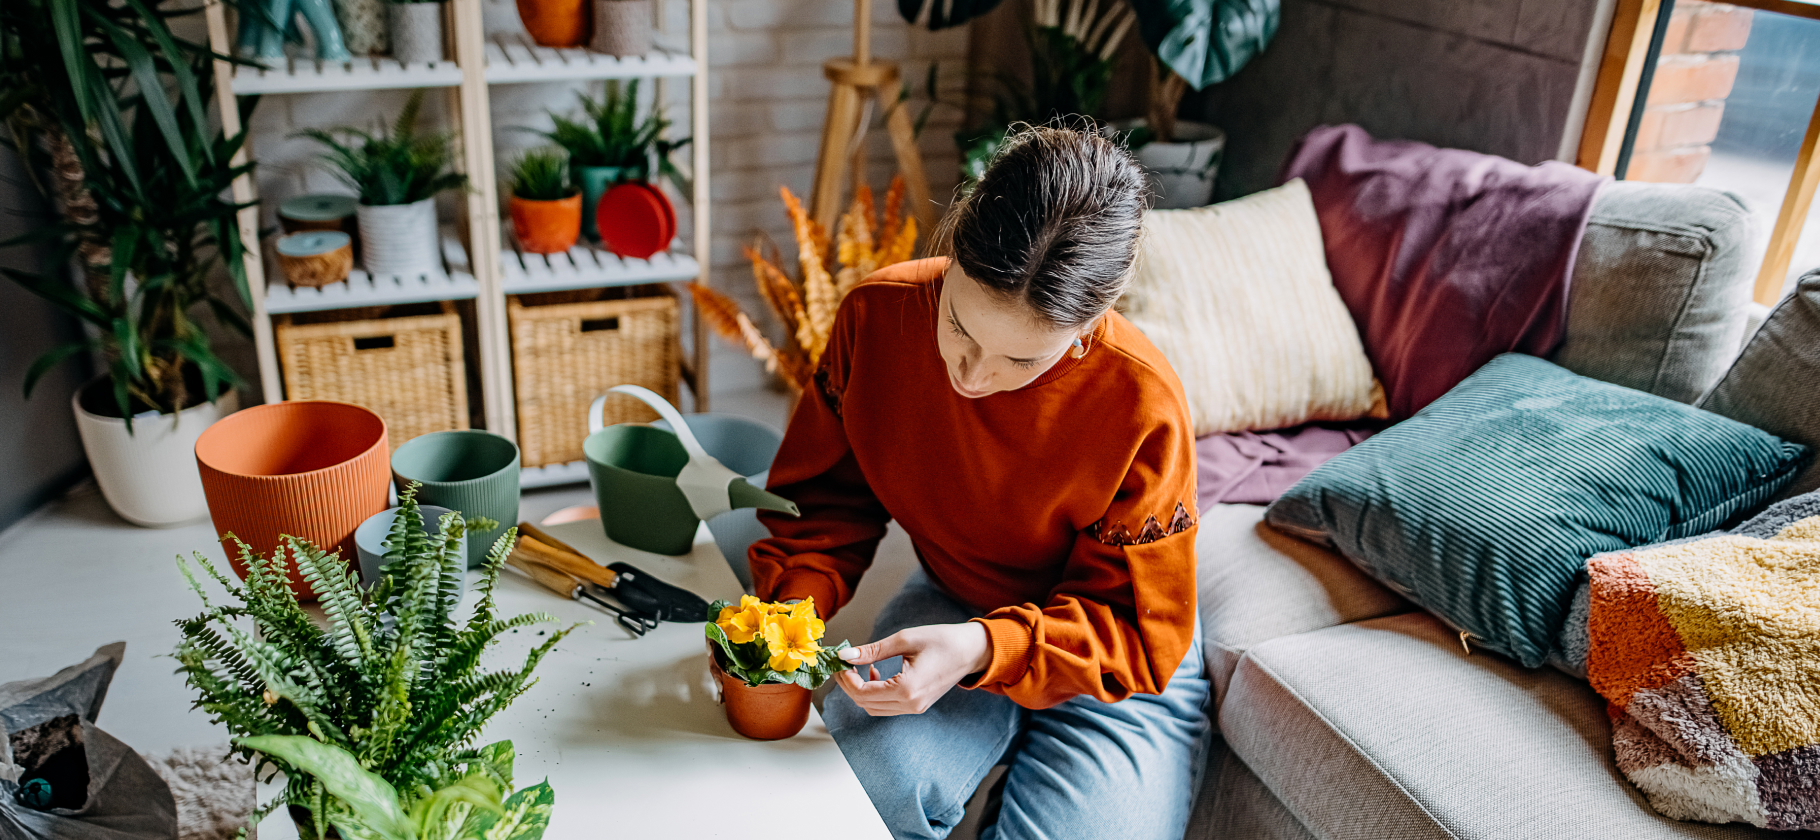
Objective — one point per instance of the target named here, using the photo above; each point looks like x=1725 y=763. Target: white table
x=627 y=730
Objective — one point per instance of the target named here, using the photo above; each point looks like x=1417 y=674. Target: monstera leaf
x=945 y=13
x=1204 y=41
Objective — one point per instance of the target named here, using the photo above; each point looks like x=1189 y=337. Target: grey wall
x=1495 y=76
x=39 y=452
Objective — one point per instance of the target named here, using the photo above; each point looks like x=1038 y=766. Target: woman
x=1038 y=451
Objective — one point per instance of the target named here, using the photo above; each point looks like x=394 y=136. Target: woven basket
x=403 y=362
x=570 y=347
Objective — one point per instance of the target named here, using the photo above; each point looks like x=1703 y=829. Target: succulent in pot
x=767 y=658
x=545 y=207
x=391 y=676
x=612 y=143
x=397 y=173
x=139 y=177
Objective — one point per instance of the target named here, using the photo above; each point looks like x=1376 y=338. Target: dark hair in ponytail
x=1053 y=222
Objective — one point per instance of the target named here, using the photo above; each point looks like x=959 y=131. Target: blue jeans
x=1082 y=769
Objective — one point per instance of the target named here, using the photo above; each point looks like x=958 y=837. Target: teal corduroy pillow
x=1484 y=506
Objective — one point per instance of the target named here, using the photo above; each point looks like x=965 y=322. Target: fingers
x=881 y=698
x=885 y=648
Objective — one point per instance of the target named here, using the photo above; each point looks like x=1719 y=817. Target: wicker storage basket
x=403 y=362
x=570 y=347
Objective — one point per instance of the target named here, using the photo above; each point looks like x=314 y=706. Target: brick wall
x=1686 y=101
x=767 y=98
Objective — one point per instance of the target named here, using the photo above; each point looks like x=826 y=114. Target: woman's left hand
x=936 y=658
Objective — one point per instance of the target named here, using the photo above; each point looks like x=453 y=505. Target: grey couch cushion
x=1256 y=584
x=1234 y=805
x=1775 y=384
x=1385 y=728
x=1659 y=288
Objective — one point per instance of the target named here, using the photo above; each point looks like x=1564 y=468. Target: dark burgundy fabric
x=1254 y=468
x=1445 y=257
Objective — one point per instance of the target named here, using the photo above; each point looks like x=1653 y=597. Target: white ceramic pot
x=149 y=476
x=1182 y=172
x=416 y=32
x=399 y=239
x=622 y=27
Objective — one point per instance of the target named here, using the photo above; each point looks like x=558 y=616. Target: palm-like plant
x=138 y=173
x=393 y=679
x=612 y=134
x=541 y=175
x=392 y=166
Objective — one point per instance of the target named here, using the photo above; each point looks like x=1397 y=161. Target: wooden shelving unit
x=480 y=262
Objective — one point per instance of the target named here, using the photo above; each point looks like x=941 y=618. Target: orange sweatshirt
x=1064 y=510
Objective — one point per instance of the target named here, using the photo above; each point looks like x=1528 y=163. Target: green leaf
x=1206 y=41
x=49 y=360
x=525 y=816
x=373 y=800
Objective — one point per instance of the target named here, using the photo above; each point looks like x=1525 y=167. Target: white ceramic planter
x=416 y=32
x=399 y=239
x=1182 y=172
x=149 y=477
x=622 y=27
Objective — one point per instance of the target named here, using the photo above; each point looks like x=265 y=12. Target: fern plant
x=542 y=175
x=393 y=678
x=392 y=166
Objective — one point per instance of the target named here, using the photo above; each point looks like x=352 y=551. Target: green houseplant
x=393 y=678
x=397 y=173
x=364 y=805
x=545 y=208
x=108 y=109
x=612 y=143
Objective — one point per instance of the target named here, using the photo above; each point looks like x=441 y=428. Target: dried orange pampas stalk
x=829 y=272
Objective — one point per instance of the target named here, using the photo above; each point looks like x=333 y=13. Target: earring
x=1078 y=349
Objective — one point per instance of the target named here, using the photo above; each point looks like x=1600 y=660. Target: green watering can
x=656 y=486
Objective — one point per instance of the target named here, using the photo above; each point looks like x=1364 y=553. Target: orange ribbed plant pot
x=770 y=712
x=546 y=227
x=313 y=469
x=556 y=23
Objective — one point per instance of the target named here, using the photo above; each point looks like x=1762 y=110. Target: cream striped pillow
x=1238 y=298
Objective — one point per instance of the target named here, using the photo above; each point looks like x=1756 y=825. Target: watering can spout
x=744 y=495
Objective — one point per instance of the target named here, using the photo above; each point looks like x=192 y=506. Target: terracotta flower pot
x=313 y=469
x=555 y=23
x=770 y=712
x=546 y=227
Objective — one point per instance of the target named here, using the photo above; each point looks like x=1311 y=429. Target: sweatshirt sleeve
x=823 y=552
x=1123 y=615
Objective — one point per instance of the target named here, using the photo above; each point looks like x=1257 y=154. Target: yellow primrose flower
x=790 y=642
x=806 y=609
x=742 y=624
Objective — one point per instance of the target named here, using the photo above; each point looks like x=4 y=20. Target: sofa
x=1345 y=712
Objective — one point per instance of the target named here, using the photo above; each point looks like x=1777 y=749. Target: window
x=1724 y=95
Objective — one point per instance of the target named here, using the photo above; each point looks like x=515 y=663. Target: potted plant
x=1193 y=44
x=416 y=30
x=363 y=804
x=545 y=207
x=397 y=174
x=390 y=676
x=555 y=23
x=611 y=144
x=767 y=657
x=139 y=177
x=622 y=27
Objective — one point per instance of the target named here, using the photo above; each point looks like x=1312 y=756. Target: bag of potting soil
x=62 y=777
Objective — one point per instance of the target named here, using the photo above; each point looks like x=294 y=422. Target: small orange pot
x=770 y=712
x=313 y=469
x=546 y=227
x=556 y=23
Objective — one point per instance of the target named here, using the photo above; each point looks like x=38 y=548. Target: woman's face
x=989 y=344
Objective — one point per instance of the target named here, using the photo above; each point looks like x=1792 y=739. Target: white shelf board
x=513 y=58
x=553 y=475
x=588 y=267
x=303 y=75
x=362 y=289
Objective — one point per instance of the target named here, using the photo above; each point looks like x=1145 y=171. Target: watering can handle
x=597 y=417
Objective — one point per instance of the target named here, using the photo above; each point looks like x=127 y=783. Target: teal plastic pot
x=594 y=182
x=471 y=471
x=747 y=447
x=633 y=471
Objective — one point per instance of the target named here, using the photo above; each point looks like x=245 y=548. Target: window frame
x=1621 y=71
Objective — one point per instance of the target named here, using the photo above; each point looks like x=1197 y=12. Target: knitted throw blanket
x=1708 y=651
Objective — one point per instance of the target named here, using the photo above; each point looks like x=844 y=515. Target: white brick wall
x=767 y=98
